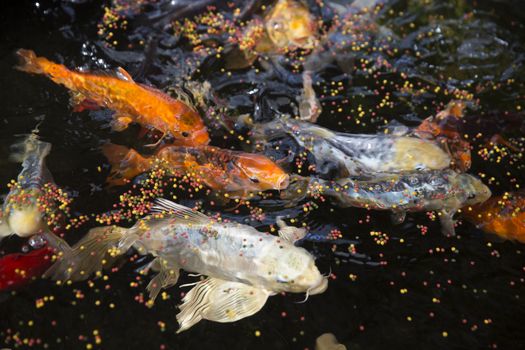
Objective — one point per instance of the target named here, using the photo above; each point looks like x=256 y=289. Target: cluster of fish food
x=399 y=169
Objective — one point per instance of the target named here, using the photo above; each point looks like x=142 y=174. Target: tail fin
x=29 y=146
x=29 y=62
x=125 y=163
x=97 y=250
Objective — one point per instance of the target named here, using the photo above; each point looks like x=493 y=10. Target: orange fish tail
x=30 y=63
x=125 y=164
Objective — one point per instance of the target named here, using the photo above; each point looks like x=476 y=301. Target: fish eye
x=185 y=134
x=471 y=196
x=254 y=180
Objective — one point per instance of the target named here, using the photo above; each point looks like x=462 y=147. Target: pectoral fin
x=290 y=233
x=80 y=103
x=123 y=75
x=120 y=122
x=220 y=301
x=167 y=276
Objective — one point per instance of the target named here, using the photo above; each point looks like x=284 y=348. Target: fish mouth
x=283 y=182
x=196 y=138
x=320 y=287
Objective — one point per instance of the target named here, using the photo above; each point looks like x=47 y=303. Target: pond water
x=414 y=288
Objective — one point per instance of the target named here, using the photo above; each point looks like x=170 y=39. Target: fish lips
x=320 y=287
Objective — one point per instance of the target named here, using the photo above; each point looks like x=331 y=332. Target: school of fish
x=399 y=169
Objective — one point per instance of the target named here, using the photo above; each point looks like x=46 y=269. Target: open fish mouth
x=319 y=288
x=283 y=182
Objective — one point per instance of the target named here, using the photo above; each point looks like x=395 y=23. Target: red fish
x=19 y=269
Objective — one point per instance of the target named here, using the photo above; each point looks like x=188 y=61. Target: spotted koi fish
x=443 y=191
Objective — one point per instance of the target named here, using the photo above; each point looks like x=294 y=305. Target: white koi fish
x=360 y=155
x=244 y=266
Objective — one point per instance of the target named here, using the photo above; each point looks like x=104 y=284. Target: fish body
x=362 y=155
x=224 y=170
x=244 y=266
x=16 y=270
x=443 y=191
x=21 y=214
x=502 y=215
x=286 y=26
x=132 y=102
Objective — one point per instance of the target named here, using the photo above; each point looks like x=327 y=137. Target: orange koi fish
x=443 y=128
x=287 y=26
x=233 y=172
x=503 y=216
x=132 y=102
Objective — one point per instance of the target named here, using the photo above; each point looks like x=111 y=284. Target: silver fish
x=360 y=155
x=443 y=191
x=244 y=266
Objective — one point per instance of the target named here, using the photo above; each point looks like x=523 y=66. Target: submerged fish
x=233 y=172
x=286 y=26
x=502 y=215
x=289 y=24
x=18 y=269
x=132 y=102
x=349 y=155
x=21 y=213
x=444 y=191
x=244 y=266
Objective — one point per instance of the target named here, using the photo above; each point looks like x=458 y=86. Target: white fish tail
x=96 y=251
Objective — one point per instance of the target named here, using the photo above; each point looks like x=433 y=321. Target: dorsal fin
x=122 y=74
x=179 y=212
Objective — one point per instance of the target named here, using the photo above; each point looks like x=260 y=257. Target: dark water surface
x=417 y=291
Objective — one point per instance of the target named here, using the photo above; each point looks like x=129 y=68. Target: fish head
x=291 y=25
x=25 y=221
x=198 y=137
x=296 y=272
x=476 y=191
x=260 y=172
x=191 y=131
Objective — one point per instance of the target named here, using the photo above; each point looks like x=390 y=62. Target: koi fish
x=244 y=266
x=21 y=212
x=502 y=215
x=18 y=269
x=356 y=154
x=289 y=24
x=132 y=102
x=444 y=129
x=233 y=172
x=443 y=191
x=286 y=26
